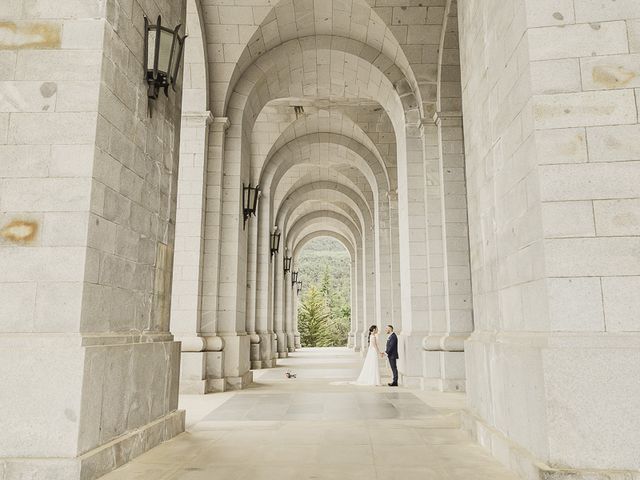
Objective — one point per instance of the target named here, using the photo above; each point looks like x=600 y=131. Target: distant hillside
x=324 y=314
x=322 y=253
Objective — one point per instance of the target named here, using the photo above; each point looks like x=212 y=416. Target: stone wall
x=87 y=202
x=550 y=113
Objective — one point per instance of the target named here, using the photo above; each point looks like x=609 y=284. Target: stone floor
x=317 y=426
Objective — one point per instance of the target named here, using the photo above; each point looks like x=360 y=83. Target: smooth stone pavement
x=318 y=426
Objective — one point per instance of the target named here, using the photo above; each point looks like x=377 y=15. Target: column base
x=236 y=363
x=269 y=363
x=262 y=364
x=443 y=385
x=523 y=463
x=444 y=371
x=99 y=461
x=239 y=383
x=283 y=354
x=267 y=349
x=412 y=382
x=256 y=362
x=215 y=385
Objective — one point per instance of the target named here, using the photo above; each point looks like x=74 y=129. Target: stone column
x=553 y=168
x=296 y=334
x=186 y=296
x=87 y=193
x=251 y=288
x=385 y=263
x=360 y=298
x=281 y=281
x=450 y=276
x=394 y=241
x=224 y=305
x=413 y=251
x=369 y=286
x=264 y=293
x=212 y=345
x=275 y=270
x=289 y=294
x=351 y=343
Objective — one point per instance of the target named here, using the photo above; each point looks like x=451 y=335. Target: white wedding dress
x=370 y=373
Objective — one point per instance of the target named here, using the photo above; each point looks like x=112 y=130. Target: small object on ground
x=290 y=375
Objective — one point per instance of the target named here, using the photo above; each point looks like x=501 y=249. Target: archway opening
x=324 y=316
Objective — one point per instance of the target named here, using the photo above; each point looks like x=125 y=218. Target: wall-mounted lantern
x=162 y=55
x=275 y=241
x=294 y=278
x=287 y=264
x=299 y=282
x=249 y=201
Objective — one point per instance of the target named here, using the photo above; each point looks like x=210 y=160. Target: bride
x=370 y=373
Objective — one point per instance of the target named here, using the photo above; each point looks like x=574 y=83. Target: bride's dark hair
x=371 y=329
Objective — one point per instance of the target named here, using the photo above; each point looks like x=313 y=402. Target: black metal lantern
x=287 y=264
x=299 y=282
x=294 y=278
x=162 y=55
x=275 y=241
x=249 y=201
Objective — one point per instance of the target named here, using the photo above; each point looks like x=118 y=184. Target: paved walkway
x=318 y=427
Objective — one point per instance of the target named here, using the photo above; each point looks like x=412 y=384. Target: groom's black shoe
x=392 y=384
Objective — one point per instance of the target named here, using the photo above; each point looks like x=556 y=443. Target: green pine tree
x=325 y=265
x=313 y=318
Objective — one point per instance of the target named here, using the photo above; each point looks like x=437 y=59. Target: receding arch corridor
x=319 y=427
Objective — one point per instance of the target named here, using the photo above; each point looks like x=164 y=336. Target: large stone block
x=621 y=304
x=608 y=107
x=580 y=40
x=49 y=395
x=586 y=400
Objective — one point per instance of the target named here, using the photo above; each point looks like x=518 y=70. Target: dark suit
x=392 y=355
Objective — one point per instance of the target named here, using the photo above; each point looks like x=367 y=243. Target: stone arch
x=337 y=190
x=365 y=33
x=344 y=241
x=449 y=97
x=279 y=74
x=312 y=205
x=309 y=148
x=195 y=93
x=329 y=220
x=324 y=218
x=331 y=164
x=335 y=122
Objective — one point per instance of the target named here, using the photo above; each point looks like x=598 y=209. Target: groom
x=392 y=354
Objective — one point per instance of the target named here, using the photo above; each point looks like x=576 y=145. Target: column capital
x=439 y=117
x=198 y=119
x=220 y=124
x=392 y=195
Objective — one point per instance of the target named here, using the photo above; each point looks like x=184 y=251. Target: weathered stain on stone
x=572 y=147
x=29 y=35
x=48 y=89
x=558 y=16
x=612 y=76
x=542 y=112
x=612 y=142
x=626 y=220
x=70 y=414
x=19 y=231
